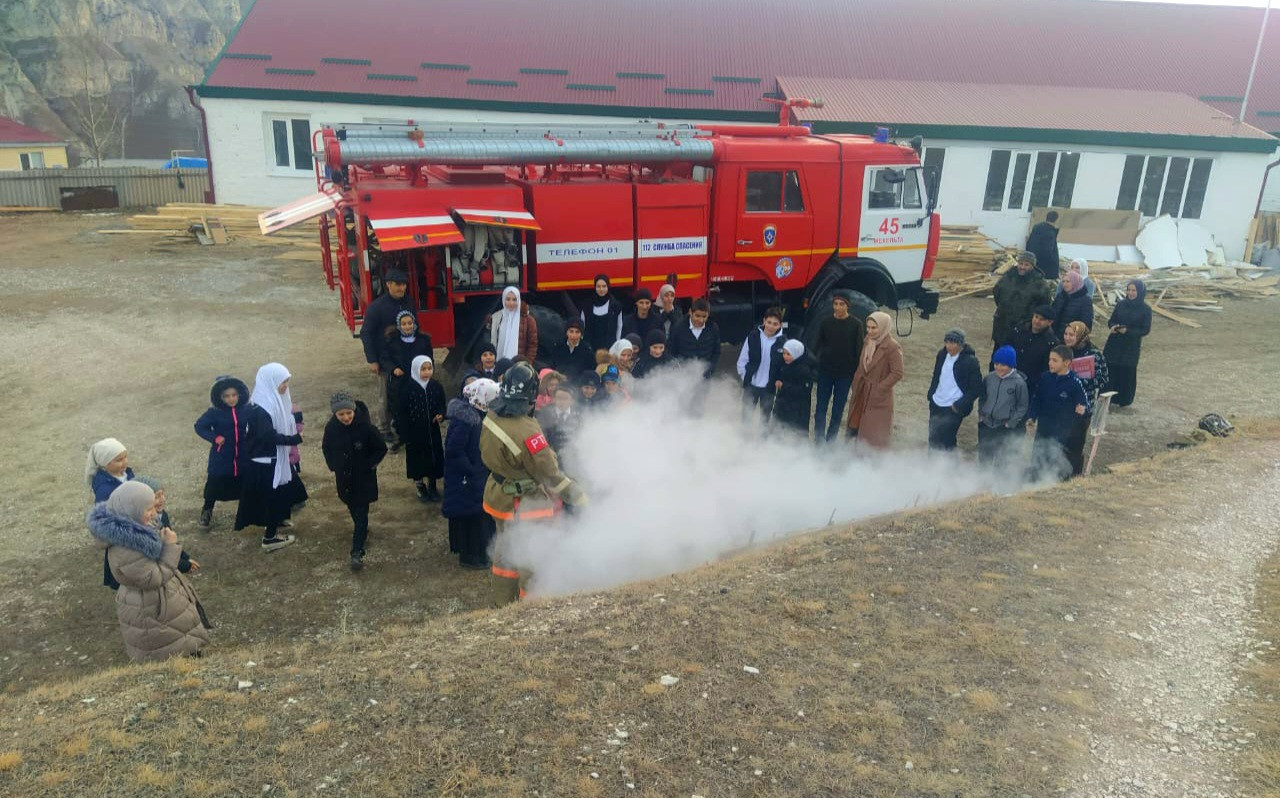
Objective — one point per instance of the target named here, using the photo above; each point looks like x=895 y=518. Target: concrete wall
x=1229 y=201
x=244 y=169
x=55 y=155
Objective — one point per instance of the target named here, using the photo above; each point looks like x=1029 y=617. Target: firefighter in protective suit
x=525 y=481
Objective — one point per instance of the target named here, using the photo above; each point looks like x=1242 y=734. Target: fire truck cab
x=747 y=216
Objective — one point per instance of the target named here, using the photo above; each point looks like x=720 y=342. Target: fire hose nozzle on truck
x=785 y=105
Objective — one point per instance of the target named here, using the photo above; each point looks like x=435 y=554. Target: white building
x=1004 y=150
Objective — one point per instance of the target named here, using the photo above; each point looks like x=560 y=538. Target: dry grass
x=943 y=661
x=1260 y=765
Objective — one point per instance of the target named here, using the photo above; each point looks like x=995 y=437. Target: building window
x=1130 y=180
x=1039 y=179
x=1018 y=192
x=997 y=174
x=773 y=192
x=31 y=160
x=291 y=144
x=1157 y=184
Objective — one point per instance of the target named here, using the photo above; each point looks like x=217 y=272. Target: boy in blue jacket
x=224 y=426
x=1060 y=399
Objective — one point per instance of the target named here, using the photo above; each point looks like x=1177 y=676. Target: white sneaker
x=277 y=542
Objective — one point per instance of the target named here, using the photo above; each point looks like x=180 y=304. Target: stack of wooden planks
x=970 y=263
x=964 y=250
x=179 y=220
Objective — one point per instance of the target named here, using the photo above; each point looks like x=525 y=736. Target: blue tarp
x=186 y=162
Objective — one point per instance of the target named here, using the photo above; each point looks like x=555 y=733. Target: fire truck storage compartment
x=588 y=228
x=488 y=252
x=671 y=236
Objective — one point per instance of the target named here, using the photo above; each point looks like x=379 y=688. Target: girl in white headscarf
x=423 y=408
x=107 y=468
x=266 y=493
x=512 y=329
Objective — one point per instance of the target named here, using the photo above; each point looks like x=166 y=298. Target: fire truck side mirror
x=931 y=183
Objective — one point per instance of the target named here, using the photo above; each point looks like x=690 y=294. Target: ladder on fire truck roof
x=642 y=129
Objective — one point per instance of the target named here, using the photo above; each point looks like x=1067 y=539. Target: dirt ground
x=108 y=337
x=1017 y=646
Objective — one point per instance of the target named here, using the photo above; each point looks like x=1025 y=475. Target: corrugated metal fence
x=124 y=187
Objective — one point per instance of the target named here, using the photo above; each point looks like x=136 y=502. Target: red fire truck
x=747 y=216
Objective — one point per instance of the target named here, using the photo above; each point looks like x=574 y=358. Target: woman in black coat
x=404 y=343
x=422 y=408
x=794 y=398
x=1129 y=323
x=470 y=528
x=602 y=316
x=1072 y=304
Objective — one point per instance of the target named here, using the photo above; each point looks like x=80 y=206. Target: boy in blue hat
x=1002 y=408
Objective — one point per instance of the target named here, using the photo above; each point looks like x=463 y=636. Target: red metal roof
x=12 y=132
x=719 y=56
x=906 y=103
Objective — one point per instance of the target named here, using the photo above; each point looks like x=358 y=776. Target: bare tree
x=96 y=117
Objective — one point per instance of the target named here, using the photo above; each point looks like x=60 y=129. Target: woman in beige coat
x=159 y=613
x=879 y=369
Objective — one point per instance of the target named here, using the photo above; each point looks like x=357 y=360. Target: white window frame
x=269 y=142
x=1164 y=182
x=1023 y=206
x=31 y=157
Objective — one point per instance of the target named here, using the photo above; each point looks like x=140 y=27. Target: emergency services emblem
x=770 y=236
x=783 y=267
x=535 y=443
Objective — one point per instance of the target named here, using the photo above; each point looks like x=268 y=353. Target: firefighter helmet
x=518 y=392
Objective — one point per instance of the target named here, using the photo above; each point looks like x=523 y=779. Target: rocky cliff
x=67 y=66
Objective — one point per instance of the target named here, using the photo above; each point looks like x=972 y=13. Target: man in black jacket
x=1033 y=342
x=1043 y=241
x=956 y=385
x=699 y=339
x=378 y=316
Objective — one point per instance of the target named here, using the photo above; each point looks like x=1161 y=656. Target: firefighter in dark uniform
x=525 y=480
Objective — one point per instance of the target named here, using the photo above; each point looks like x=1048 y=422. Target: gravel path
x=1168 y=732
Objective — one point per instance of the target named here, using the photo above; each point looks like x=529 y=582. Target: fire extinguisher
x=486 y=270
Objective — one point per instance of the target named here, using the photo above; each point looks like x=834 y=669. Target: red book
x=1083 y=367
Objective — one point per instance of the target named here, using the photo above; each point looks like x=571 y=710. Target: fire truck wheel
x=550 y=330
x=860 y=306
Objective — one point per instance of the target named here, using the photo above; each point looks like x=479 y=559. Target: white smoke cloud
x=672 y=487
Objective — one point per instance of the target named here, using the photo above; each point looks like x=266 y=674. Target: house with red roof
x=23 y=148
x=1022 y=104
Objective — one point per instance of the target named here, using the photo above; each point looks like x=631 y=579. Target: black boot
x=424 y=495
x=206 y=517
x=433 y=495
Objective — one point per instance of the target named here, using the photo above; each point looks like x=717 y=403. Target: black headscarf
x=596 y=299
